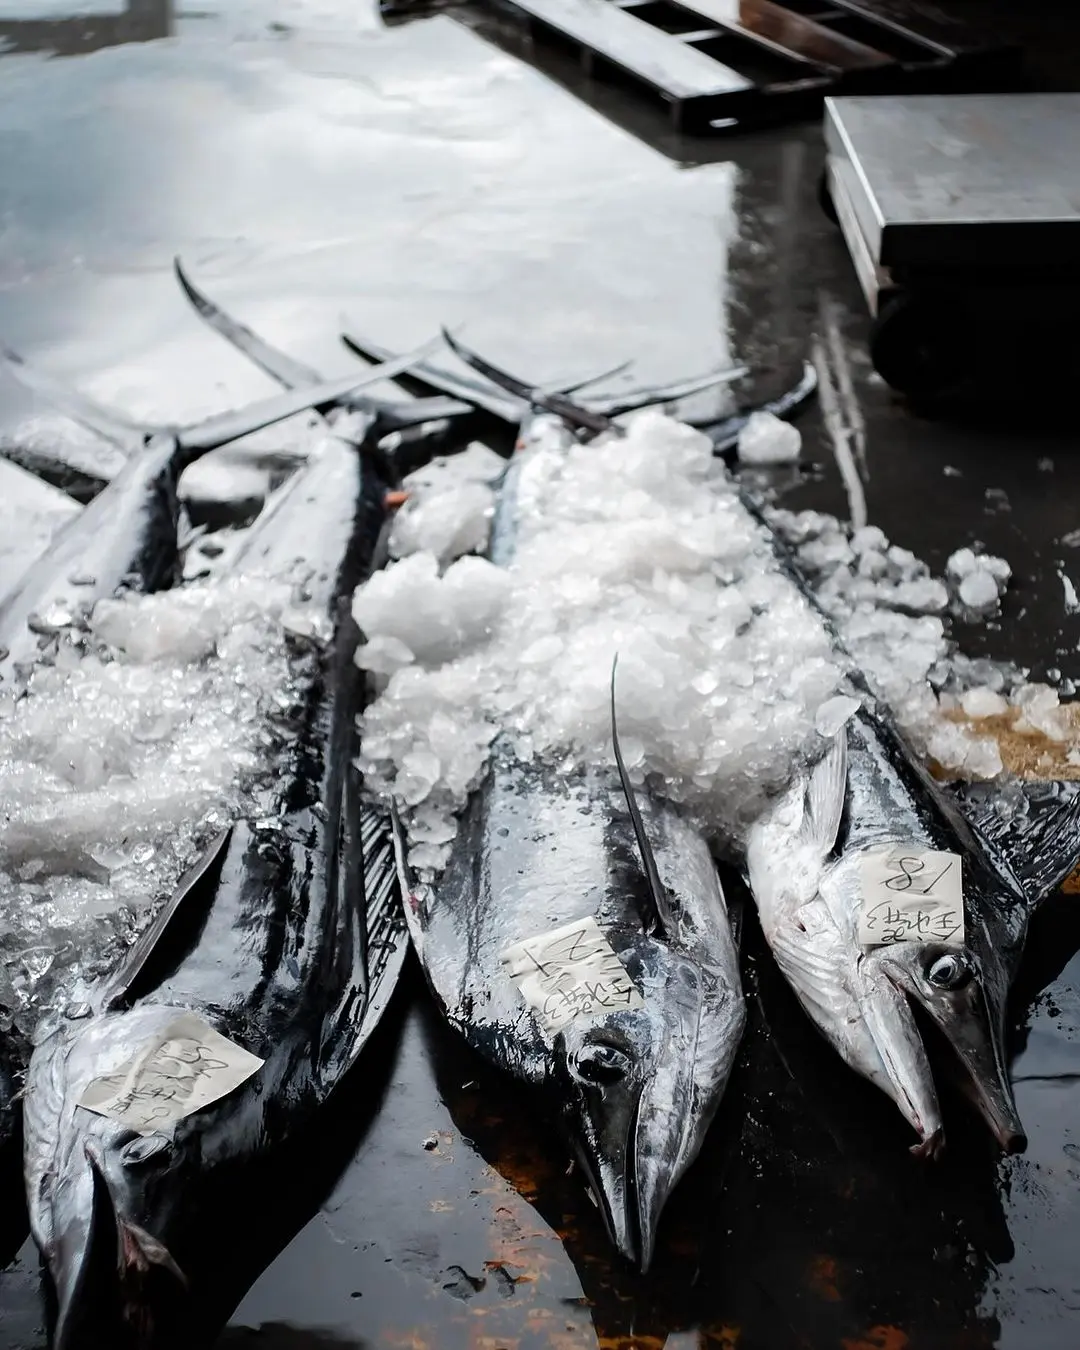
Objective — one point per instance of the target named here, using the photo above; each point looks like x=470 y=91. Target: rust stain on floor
x=821 y=1276
x=877 y=1338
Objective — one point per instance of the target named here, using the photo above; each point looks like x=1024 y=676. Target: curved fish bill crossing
x=126 y=537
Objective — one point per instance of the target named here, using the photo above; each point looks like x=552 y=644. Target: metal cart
x=962 y=217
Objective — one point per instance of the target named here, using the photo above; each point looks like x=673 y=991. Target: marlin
x=286 y=938
x=546 y=856
x=126 y=537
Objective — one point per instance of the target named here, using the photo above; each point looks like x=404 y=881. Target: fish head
x=103 y=1196
x=963 y=992
x=641 y=1085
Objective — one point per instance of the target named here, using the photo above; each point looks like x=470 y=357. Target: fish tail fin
x=650 y=396
x=576 y=385
x=212 y=432
x=423 y=380
x=573 y=414
x=289 y=373
x=105 y=422
x=208 y=434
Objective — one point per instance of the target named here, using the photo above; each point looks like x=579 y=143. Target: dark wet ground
x=307 y=163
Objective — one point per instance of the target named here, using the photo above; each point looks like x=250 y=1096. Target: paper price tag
x=186 y=1067
x=910 y=894
x=570 y=973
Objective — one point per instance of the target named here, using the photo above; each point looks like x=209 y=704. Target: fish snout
x=603 y=1092
x=641 y=1094
x=990 y=1092
x=109 y=1274
x=957 y=997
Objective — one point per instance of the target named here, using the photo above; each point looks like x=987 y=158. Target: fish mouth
x=889 y=1018
x=105 y=1271
x=963 y=1040
x=627 y=1162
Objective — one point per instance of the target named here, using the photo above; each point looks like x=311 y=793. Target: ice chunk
x=120 y=761
x=982 y=759
x=961 y=563
x=921 y=595
x=1072 y=603
x=975 y=576
x=948 y=744
x=1041 y=712
x=869 y=539
x=766 y=439
x=833 y=714
x=983 y=702
x=383 y=655
x=216 y=480
x=446 y=523
x=434 y=617
x=978 y=590
x=477 y=463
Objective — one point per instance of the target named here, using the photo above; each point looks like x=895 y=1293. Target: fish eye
x=601 y=1063
x=143 y=1148
x=950 y=971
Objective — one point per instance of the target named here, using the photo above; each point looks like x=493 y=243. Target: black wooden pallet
x=718 y=64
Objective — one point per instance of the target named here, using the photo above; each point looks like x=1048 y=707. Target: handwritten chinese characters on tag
x=570 y=973
x=184 y=1068
x=911 y=894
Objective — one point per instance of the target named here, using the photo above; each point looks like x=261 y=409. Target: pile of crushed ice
x=116 y=767
x=893 y=617
x=642 y=546
x=638 y=546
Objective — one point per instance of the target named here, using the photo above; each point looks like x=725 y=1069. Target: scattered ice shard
x=978 y=591
x=768 y=439
x=983 y=702
x=833 y=713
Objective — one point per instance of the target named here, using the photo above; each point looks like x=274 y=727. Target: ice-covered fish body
x=127 y=536
x=635 y=1074
x=634 y=1087
x=286 y=940
x=805 y=859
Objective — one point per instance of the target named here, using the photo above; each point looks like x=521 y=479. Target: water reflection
x=140 y=21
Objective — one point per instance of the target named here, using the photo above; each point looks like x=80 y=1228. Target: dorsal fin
x=181 y=915
x=654 y=922
x=826 y=793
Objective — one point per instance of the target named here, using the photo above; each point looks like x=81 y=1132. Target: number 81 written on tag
x=910 y=894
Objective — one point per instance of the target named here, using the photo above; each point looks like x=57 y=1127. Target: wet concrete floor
x=308 y=163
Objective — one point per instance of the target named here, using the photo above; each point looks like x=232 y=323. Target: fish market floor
x=310 y=162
